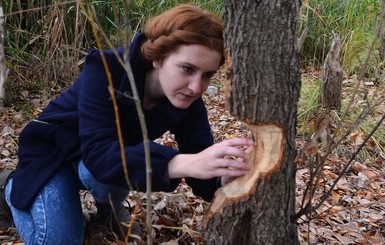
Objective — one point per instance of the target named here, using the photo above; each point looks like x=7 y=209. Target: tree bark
x=262 y=66
x=332 y=77
x=3 y=74
x=382 y=31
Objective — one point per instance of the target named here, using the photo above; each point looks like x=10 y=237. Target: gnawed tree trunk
x=2 y=57
x=382 y=31
x=263 y=66
x=332 y=77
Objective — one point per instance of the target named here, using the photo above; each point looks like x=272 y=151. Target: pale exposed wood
x=266 y=157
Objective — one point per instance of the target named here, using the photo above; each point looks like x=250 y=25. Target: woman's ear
x=156 y=64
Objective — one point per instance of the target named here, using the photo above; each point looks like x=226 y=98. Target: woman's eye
x=209 y=75
x=187 y=69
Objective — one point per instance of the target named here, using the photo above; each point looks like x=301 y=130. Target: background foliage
x=50 y=37
x=46 y=42
x=357 y=22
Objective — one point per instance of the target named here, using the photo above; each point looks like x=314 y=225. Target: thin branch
x=324 y=214
x=142 y=121
x=362 y=72
x=124 y=94
x=321 y=163
x=37 y=8
x=136 y=98
x=309 y=208
x=111 y=89
x=302 y=38
x=323 y=199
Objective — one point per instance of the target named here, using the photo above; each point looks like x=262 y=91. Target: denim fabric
x=55 y=216
x=106 y=196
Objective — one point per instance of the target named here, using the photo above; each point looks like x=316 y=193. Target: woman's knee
x=102 y=193
x=55 y=216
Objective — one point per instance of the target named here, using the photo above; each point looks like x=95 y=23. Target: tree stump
x=382 y=31
x=332 y=77
x=2 y=60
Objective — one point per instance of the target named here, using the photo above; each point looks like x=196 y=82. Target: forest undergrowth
x=353 y=214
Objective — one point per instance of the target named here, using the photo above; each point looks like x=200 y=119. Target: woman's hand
x=221 y=159
x=227 y=179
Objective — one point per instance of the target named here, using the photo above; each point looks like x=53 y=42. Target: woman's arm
x=100 y=147
x=222 y=159
x=199 y=157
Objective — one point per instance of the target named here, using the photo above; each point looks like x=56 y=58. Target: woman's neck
x=152 y=90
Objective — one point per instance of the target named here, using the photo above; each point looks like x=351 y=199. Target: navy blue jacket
x=80 y=124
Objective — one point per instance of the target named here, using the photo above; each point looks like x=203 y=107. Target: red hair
x=181 y=25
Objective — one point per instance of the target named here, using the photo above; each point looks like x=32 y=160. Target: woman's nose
x=196 y=86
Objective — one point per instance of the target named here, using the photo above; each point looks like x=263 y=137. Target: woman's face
x=186 y=73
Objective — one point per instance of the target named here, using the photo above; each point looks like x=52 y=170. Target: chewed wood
x=266 y=158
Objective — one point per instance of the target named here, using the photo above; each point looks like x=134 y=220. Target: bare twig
x=316 y=173
x=125 y=63
x=308 y=209
x=111 y=89
x=347 y=166
x=36 y=9
x=302 y=38
x=143 y=126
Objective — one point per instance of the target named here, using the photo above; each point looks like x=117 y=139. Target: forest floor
x=353 y=214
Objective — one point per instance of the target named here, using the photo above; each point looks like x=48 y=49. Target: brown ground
x=354 y=214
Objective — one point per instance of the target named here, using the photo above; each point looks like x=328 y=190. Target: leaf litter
x=353 y=214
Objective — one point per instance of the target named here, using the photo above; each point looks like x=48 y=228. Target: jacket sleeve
x=193 y=135
x=98 y=133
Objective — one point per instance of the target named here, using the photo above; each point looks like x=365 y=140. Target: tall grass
x=54 y=35
x=46 y=39
x=357 y=22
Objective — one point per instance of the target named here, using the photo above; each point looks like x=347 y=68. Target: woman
x=74 y=140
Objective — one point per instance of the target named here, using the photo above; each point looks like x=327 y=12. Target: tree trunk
x=2 y=58
x=262 y=65
x=382 y=31
x=332 y=77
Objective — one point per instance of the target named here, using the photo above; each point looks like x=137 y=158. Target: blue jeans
x=55 y=216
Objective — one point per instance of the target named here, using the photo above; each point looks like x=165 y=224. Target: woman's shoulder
x=98 y=55
x=116 y=54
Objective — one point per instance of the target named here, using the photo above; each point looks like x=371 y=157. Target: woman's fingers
x=237 y=142
x=233 y=164
x=232 y=152
x=227 y=158
x=231 y=172
x=231 y=148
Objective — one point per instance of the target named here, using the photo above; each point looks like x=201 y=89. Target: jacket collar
x=165 y=110
x=138 y=68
